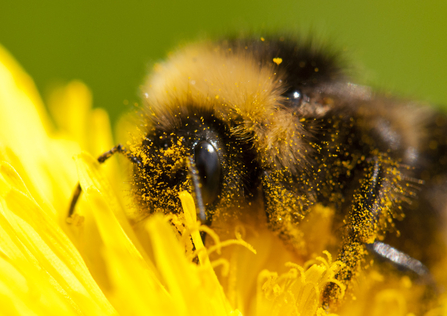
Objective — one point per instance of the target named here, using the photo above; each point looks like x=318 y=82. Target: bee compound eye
x=209 y=168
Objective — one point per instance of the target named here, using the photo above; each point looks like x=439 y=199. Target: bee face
x=194 y=141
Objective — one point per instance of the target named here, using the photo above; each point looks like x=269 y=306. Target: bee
x=278 y=120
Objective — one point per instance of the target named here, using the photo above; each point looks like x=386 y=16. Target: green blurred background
x=399 y=46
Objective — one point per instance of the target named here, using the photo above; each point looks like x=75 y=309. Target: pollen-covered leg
x=370 y=215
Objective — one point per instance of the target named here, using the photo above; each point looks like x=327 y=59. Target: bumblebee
x=278 y=120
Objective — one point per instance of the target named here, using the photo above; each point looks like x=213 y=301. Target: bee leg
x=370 y=209
x=198 y=192
x=405 y=264
x=284 y=207
x=399 y=259
x=101 y=159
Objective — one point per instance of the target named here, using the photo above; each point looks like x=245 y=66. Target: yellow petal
x=194 y=290
x=35 y=246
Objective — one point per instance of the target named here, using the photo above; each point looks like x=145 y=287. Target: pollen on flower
x=193 y=228
x=298 y=290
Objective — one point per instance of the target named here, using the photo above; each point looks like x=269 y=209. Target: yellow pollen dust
x=277 y=60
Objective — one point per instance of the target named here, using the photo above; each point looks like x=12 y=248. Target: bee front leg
x=285 y=206
x=371 y=211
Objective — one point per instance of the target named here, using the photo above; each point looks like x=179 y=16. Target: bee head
x=194 y=152
x=218 y=113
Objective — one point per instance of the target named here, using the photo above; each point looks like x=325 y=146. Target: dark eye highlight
x=296 y=95
x=208 y=165
x=295 y=98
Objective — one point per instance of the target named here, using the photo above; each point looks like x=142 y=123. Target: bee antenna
x=101 y=159
x=197 y=188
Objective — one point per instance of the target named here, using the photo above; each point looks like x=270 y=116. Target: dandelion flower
x=100 y=264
